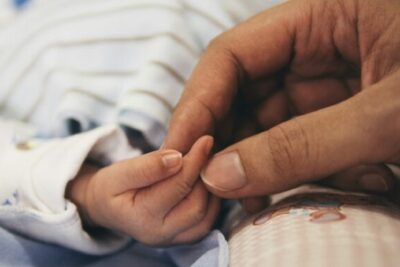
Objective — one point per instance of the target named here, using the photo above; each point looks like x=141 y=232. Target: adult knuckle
x=290 y=149
x=278 y=145
x=217 y=42
x=222 y=47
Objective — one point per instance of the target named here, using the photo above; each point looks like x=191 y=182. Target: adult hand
x=331 y=67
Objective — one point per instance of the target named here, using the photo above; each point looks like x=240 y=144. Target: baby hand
x=156 y=198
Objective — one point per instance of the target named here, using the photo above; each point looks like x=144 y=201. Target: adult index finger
x=257 y=47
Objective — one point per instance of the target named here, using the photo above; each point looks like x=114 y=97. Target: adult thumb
x=301 y=150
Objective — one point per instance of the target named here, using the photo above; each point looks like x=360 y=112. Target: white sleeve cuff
x=33 y=182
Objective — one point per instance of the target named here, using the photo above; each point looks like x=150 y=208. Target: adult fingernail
x=209 y=145
x=225 y=172
x=373 y=182
x=171 y=159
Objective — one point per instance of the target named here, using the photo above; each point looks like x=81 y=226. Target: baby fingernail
x=373 y=182
x=172 y=159
x=225 y=172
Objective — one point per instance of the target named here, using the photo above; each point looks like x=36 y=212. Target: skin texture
x=300 y=92
x=143 y=198
x=303 y=91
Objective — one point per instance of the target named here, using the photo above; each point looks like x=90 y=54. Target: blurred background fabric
x=68 y=66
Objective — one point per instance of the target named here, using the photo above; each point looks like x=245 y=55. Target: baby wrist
x=77 y=192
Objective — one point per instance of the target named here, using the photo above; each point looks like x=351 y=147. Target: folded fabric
x=16 y=250
x=70 y=66
x=34 y=176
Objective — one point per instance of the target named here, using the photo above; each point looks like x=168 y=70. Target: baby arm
x=156 y=198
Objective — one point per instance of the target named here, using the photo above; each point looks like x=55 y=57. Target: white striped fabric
x=68 y=66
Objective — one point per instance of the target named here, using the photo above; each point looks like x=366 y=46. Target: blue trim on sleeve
x=18 y=4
